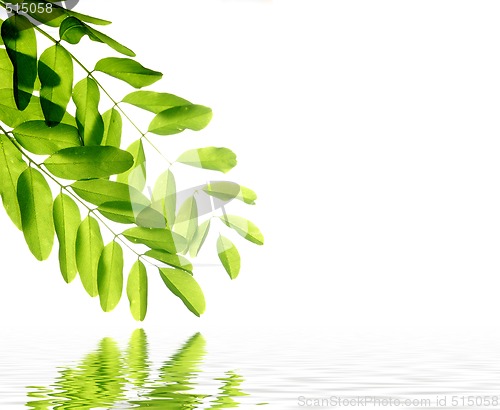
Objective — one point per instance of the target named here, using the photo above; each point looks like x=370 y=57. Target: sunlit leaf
x=136 y=175
x=165 y=196
x=67 y=220
x=89 y=246
x=11 y=167
x=177 y=119
x=131 y=213
x=137 y=291
x=112 y=128
x=199 y=238
x=35 y=203
x=227 y=191
x=41 y=139
x=171 y=259
x=20 y=41
x=110 y=276
x=89 y=162
x=100 y=191
x=129 y=71
x=6 y=70
x=55 y=70
x=156 y=238
x=88 y=19
x=185 y=287
x=244 y=227
x=229 y=256
x=186 y=221
x=90 y=124
x=153 y=101
x=216 y=159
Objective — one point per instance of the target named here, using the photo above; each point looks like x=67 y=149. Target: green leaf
x=199 y=238
x=52 y=17
x=40 y=139
x=20 y=40
x=72 y=30
x=11 y=167
x=129 y=213
x=165 y=196
x=6 y=70
x=35 y=203
x=244 y=227
x=185 y=287
x=135 y=176
x=112 y=128
x=227 y=191
x=88 y=19
x=110 y=276
x=90 y=124
x=177 y=119
x=156 y=238
x=55 y=71
x=99 y=191
x=186 y=221
x=67 y=220
x=153 y=101
x=229 y=256
x=176 y=261
x=137 y=291
x=129 y=71
x=89 y=162
x=216 y=159
x=89 y=246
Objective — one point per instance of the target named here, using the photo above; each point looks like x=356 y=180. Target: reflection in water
x=109 y=377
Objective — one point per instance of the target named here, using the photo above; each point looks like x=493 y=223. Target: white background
x=370 y=131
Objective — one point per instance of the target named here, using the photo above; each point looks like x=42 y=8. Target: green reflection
x=109 y=377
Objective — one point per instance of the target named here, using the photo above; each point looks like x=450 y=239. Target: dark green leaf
x=245 y=228
x=185 y=287
x=89 y=162
x=35 y=202
x=40 y=139
x=229 y=256
x=11 y=167
x=72 y=30
x=135 y=176
x=199 y=238
x=112 y=128
x=89 y=246
x=177 y=261
x=186 y=221
x=55 y=71
x=177 y=119
x=20 y=40
x=216 y=159
x=110 y=276
x=86 y=97
x=156 y=238
x=100 y=191
x=165 y=196
x=67 y=220
x=153 y=101
x=137 y=291
x=129 y=71
x=129 y=213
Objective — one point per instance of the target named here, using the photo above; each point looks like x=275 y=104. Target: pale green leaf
x=156 y=238
x=110 y=276
x=86 y=96
x=55 y=70
x=100 y=191
x=165 y=196
x=153 y=101
x=186 y=221
x=216 y=159
x=67 y=220
x=177 y=119
x=112 y=128
x=129 y=71
x=35 y=203
x=89 y=162
x=229 y=256
x=136 y=175
x=89 y=246
x=131 y=213
x=20 y=41
x=244 y=227
x=11 y=167
x=176 y=261
x=41 y=139
x=6 y=70
x=185 y=287
x=199 y=238
x=137 y=291
x=227 y=191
